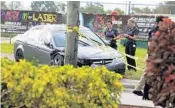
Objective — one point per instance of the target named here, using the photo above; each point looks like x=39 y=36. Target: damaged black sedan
x=46 y=45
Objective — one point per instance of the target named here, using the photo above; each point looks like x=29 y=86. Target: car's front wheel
x=58 y=60
x=19 y=55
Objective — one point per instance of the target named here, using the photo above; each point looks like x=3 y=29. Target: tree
x=146 y=10
x=3 y=5
x=161 y=9
x=61 y=6
x=165 y=9
x=172 y=8
x=108 y=12
x=48 y=6
x=15 y=5
x=121 y=12
x=93 y=8
x=136 y=10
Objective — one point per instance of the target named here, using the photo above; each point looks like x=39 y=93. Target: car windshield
x=92 y=36
x=60 y=39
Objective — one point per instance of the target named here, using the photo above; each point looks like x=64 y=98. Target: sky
x=26 y=4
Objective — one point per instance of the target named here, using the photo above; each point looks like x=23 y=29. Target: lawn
x=7 y=48
x=140 y=52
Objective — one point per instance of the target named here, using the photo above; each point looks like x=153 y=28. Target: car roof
x=56 y=27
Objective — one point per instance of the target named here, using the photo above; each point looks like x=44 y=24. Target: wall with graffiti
x=14 y=20
x=97 y=23
x=20 y=21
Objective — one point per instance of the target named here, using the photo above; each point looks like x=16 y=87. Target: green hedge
x=29 y=86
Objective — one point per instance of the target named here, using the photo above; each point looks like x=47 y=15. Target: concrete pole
x=71 y=50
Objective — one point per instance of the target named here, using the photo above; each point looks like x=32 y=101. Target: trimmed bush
x=26 y=85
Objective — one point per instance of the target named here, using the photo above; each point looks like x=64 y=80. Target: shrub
x=26 y=85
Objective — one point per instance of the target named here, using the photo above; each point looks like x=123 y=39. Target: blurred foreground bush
x=25 y=85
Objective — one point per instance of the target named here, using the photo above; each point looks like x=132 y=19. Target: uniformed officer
x=130 y=44
x=139 y=86
x=111 y=35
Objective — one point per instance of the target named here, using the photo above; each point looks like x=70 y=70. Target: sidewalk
x=129 y=84
x=130 y=100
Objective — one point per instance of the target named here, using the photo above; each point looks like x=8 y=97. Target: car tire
x=121 y=71
x=58 y=60
x=19 y=55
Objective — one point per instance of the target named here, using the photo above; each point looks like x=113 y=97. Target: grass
x=140 y=52
x=7 y=48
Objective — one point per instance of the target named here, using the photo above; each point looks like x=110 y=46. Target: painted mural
x=20 y=21
x=29 y=16
x=97 y=23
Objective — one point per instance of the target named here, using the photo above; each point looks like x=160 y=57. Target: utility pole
x=129 y=9
x=71 y=50
x=132 y=9
x=12 y=5
x=126 y=8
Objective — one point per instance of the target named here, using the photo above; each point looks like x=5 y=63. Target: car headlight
x=85 y=62
x=81 y=61
x=118 y=60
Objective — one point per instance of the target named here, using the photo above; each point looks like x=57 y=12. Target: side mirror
x=47 y=43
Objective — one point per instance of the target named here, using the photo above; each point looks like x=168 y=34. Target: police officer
x=139 y=86
x=130 y=44
x=111 y=35
x=155 y=28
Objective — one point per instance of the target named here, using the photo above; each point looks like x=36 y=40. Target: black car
x=46 y=45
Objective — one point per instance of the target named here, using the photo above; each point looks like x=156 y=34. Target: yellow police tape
x=72 y=29
x=76 y=29
x=133 y=57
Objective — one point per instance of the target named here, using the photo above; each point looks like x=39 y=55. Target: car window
x=45 y=36
x=32 y=35
x=60 y=39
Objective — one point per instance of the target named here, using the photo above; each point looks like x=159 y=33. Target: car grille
x=102 y=62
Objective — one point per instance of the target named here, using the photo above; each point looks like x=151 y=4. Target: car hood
x=90 y=52
x=98 y=53
x=17 y=37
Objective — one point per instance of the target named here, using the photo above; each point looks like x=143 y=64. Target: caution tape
x=76 y=29
x=133 y=57
x=72 y=29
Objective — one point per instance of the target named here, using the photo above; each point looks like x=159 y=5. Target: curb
x=129 y=84
x=132 y=106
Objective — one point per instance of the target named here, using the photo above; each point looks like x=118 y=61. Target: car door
x=30 y=45
x=43 y=51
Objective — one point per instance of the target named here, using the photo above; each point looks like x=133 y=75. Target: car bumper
x=117 y=67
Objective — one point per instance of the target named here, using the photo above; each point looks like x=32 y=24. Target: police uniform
x=109 y=35
x=130 y=47
x=151 y=34
x=139 y=86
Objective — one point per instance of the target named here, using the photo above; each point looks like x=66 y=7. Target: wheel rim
x=57 y=60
